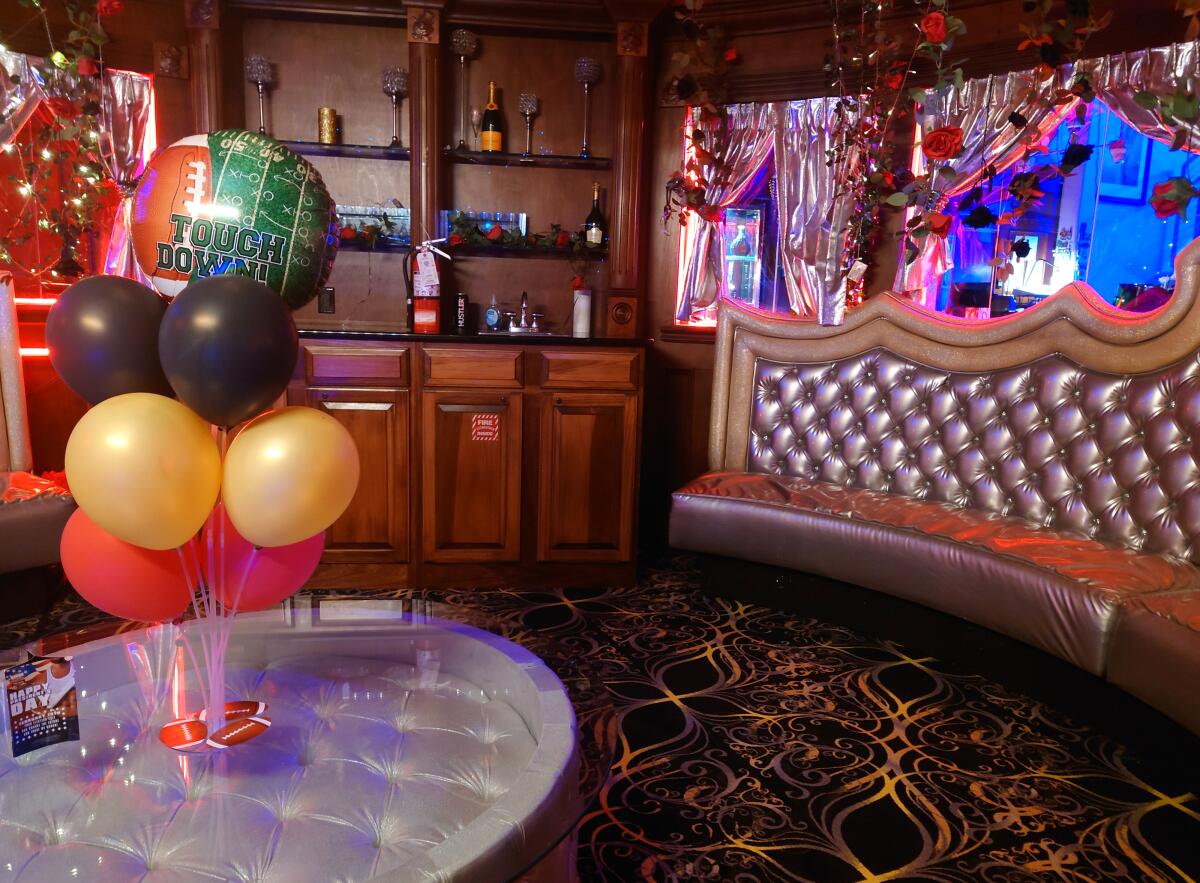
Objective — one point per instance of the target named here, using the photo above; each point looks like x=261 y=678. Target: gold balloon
x=289 y=474
x=144 y=468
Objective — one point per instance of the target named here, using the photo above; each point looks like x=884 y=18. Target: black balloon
x=103 y=338
x=228 y=345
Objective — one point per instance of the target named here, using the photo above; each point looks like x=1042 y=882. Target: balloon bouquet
x=183 y=504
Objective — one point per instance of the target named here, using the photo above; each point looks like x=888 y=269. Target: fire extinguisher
x=422 y=275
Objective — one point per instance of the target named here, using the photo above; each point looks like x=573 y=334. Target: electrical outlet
x=325 y=303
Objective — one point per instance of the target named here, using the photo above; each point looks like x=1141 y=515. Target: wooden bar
x=504 y=458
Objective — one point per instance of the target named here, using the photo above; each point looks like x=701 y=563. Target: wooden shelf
x=534 y=160
x=381 y=245
x=351 y=151
x=565 y=254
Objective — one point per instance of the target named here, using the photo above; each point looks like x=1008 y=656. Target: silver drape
x=1117 y=78
x=981 y=108
x=125 y=109
x=812 y=218
x=125 y=117
x=743 y=142
x=20 y=92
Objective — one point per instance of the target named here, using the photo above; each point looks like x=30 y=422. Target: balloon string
x=220 y=618
x=187 y=644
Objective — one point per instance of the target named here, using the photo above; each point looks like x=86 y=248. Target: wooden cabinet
x=375 y=526
x=471 y=475
x=587 y=476
x=482 y=462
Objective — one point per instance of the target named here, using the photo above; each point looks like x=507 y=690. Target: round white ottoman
x=398 y=751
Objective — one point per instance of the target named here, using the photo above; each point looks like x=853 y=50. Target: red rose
x=933 y=26
x=893 y=81
x=939 y=224
x=1171 y=197
x=87 y=66
x=944 y=143
x=731 y=55
x=110 y=7
x=62 y=107
x=455 y=239
x=495 y=233
x=562 y=240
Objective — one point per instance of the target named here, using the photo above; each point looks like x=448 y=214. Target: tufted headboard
x=1072 y=415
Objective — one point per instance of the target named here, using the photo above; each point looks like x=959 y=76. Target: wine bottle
x=491 y=137
x=593 y=227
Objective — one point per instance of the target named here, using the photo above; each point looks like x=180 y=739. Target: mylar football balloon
x=234 y=202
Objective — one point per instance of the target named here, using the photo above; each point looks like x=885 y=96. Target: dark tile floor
x=837 y=735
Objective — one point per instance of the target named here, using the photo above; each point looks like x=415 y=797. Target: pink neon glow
x=687 y=234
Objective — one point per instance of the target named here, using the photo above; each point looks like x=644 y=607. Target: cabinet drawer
x=590 y=369
x=355 y=365
x=474 y=366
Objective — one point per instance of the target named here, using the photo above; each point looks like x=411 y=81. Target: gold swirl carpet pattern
x=731 y=742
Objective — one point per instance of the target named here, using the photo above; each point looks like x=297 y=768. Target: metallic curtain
x=1117 y=78
x=125 y=117
x=744 y=141
x=20 y=92
x=980 y=108
x=812 y=220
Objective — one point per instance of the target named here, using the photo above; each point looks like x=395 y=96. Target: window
x=1095 y=225
x=745 y=266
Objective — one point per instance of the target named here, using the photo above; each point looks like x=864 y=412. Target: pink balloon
x=123 y=579
x=275 y=573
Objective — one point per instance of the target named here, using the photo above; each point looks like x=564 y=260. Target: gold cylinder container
x=327 y=127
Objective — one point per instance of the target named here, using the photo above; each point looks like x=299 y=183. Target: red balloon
x=120 y=578
x=276 y=572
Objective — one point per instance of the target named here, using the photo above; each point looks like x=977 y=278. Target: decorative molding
x=633 y=38
x=424 y=25
x=202 y=13
x=564 y=16
x=381 y=11
x=171 y=60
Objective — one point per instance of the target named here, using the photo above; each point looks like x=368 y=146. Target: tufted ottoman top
x=397 y=752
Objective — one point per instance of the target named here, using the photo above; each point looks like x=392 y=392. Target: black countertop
x=486 y=339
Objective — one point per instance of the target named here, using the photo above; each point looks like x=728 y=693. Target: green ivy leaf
x=1145 y=99
x=899 y=198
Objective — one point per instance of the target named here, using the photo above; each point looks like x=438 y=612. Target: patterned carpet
x=755 y=744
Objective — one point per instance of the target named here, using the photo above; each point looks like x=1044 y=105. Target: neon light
x=35 y=301
x=34 y=352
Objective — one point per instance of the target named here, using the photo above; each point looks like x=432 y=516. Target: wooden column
x=204 y=49
x=424 y=107
x=626 y=290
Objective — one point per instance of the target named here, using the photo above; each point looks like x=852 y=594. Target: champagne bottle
x=491 y=137
x=593 y=227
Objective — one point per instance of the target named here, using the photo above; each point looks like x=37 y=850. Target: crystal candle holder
x=395 y=86
x=258 y=71
x=587 y=74
x=464 y=44
x=527 y=103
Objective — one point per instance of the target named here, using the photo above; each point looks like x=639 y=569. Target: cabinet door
x=375 y=526
x=470 y=475
x=587 y=476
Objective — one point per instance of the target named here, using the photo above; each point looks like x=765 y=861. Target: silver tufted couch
x=1038 y=474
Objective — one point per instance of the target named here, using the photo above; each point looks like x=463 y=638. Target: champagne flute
x=476 y=122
